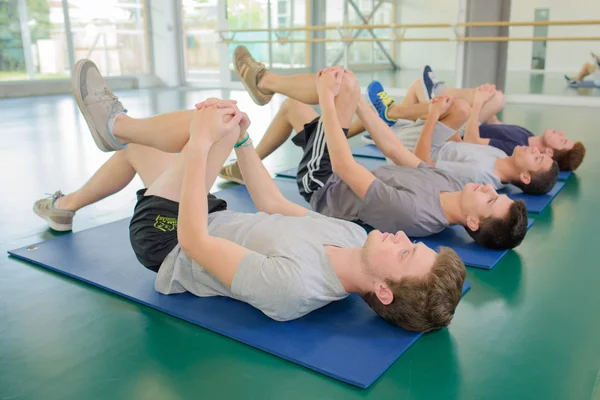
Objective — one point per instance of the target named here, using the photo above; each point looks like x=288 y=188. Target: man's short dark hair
x=541 y=182
x=502 y=233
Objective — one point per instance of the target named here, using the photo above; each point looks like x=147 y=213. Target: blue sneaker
x=431 y=85
x=381 y=101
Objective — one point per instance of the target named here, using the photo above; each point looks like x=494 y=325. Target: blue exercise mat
x=368 y=151
x=564 y=175
x=369 y=163
x=473 y=255
x=535 y=203
x=372 y=151
x=345 y=340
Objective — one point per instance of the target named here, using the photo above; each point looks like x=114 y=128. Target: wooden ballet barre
x=524 y=39
x=530 y=23
x=421 y=39
x=407 y=26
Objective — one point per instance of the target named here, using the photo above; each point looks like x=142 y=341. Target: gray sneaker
x=97 y=103
x=58 y=219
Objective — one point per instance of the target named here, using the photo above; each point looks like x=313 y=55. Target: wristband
x=240 y=143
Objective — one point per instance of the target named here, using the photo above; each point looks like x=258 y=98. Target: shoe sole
x=98 y=139
x=54 y=225
x=232 y=179
x=367 y=141
x=424 y=85
x=255 y=99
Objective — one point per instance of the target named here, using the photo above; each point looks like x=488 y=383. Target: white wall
x=560 y=56
x=440 y=55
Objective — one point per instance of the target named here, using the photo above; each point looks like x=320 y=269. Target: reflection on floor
x=517 y=82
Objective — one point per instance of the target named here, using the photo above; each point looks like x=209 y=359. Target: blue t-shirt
x=505 y=137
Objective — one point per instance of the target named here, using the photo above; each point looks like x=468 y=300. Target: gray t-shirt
x=400 y=199
x=287 y=273
x=470 y=162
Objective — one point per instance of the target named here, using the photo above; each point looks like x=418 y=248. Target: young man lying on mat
x=285 y=260
x=408 y=196
x=528 y=169
x=566 y=152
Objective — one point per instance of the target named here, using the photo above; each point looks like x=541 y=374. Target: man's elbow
x=189 y=240
x=341 y=166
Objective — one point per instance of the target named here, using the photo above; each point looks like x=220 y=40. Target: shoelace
x=106 y=94
x=250 y=62
x=54 y=196
x=385 y=98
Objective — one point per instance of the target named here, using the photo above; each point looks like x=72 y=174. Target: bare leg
x=586 y=69
x=457 y=115
x=356 y=127
x=494 y=120
x=168 y=185
x=414 y=105
x=291 y=115
x=414 y=95
x=116 y=173
x=491 y=107
x=167 y=132
x=113 y=176
x=302 y=87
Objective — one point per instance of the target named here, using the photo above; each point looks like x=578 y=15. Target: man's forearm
x=384 y=137
x=264 y=192
x=193 y=204
x=472 y=131
x=337 y=143
x=423 y=146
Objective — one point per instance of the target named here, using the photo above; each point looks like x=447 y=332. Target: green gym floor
x=528 y=329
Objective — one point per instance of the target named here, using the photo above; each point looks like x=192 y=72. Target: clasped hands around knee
x=215 y=119
x=332 y=81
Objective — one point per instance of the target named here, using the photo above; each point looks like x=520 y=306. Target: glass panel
x=284 y=14
x=12 y=59
x=48 y=39
x=200 y=39
x=247 y=14
x=112 y=33
x=46 y=27
x=360 y=53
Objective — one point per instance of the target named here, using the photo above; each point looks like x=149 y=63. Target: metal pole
x=69 y=34
x=26 y=39
x=347 y=44
x=357 y=34
x=383 y=50
x=269 y=25
x=292 y=3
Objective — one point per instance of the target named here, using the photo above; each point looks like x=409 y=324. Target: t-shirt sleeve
x=270 y=284
x=386 y=206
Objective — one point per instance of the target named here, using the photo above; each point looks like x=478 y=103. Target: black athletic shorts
x=153 y=228
x=315 y=166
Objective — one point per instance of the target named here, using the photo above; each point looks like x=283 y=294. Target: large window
x=34 y=41
x=112 y=34
x=360 y=52
x=200 y=21
x=275 y=14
